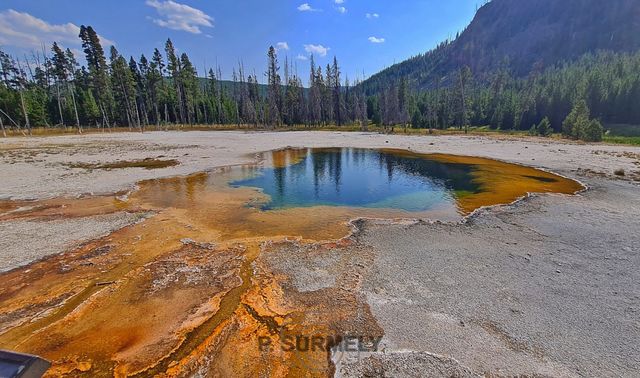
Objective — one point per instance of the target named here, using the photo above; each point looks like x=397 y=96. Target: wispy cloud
x=23 y=30
x=307 y=8
x=341 y=10
x=372 y=15
x=317 y=49
x=282 y=46
x=302 y=57
x=376 y=40
x=178 y=16
x=339 y=1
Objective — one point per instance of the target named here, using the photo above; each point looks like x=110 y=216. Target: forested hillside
x=522 y=36
x=609 y=83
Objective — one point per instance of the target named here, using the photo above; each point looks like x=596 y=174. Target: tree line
x=603 y=86
x=52 y=89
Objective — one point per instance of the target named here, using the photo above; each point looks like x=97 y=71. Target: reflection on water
x=363 y=178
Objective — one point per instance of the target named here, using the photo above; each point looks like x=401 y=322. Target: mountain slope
x=523 y=35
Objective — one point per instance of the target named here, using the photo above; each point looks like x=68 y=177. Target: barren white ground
x=37 y=167
x=550 y=286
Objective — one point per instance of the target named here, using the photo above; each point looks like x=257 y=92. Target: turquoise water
x=362 y=178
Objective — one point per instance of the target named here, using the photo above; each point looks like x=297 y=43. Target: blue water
x=362 y=178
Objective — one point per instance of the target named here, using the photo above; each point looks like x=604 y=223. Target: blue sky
x=365 y=35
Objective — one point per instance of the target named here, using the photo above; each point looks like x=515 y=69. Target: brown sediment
x=500 y=182
x=65 y=207
x=188 y=291
x=148 y=163
x=227 y=305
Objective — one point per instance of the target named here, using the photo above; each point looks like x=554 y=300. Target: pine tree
x=592 y=132
x=89 y=108
x=577 y=120
x=189 y=88
x=124 y=85
x=147 y=92
x=98 y=71
x=544 y=127
x=274 y=96
x=175 y=95
x=59 y=61
x=140 y=94
x=403 y=105
x=463 y=83
x=21 y=82
x=72 y=68
x=157 y=86
x=338 y=100
x=327 y=97
x=363 y=114
x=315 y=94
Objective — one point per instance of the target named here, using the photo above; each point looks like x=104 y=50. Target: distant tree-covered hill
x=229 y=85
x=522 y=36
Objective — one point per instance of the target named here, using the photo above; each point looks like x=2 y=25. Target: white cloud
x=282 y=46
x=339 y=1
x=26 y=31
x=301 y=57
x=372 y=15
x=376 y=40
x=307 y=8
x=317 y=49
x=342 y=10
x=77 y=53
x=178 y=16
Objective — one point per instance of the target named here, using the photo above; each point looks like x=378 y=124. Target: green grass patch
x=629 y=140
x=620 y=129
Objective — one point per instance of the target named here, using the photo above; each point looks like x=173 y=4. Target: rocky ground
x=549 y=286
x=545 y=287
x=24 y=241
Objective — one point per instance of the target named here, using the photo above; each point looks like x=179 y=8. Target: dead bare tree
x=21 y=80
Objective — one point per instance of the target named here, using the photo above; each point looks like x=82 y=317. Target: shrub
x=544 y=127
x=577 y=125
x=591 y=131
